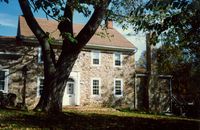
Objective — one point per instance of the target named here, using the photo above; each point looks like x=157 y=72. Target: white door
x=69 y=95
x=72 y=93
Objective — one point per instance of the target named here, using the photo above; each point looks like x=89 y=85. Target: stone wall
x=22 y=55
x=159 y=94
x=106 y=72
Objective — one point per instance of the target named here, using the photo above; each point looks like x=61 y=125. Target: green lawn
x=93 y=120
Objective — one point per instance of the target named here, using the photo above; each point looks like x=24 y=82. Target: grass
x=96 y=119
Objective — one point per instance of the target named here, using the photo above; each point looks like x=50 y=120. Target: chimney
x=109 y=24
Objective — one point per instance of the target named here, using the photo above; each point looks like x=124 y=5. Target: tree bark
x=51 y=99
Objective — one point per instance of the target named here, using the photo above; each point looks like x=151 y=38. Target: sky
x=9 y=14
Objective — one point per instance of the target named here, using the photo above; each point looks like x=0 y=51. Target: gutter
x=9 y=55
x=88 y=46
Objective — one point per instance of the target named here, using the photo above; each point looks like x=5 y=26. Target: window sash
x=95 y=57
x=40 y=86
x=118 y=87
x=95 y=86
x=118 y=59
x=3 y=80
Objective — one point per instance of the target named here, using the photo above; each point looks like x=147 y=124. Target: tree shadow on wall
x=14 y=58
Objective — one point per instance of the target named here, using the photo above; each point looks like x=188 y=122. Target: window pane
x=41 y=56
x=2 y=75
x=118 y=63
x=118 y=92
x=117 y=56
x=2 y=83
x=96 y=55
x=96 y=61
x=70 y=89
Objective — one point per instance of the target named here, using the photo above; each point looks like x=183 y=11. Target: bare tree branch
x=93 y=24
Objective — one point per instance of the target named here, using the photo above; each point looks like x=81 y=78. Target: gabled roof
x=116 y=40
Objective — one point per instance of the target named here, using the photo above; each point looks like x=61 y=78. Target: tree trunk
x=54 y=86
x=148 y=65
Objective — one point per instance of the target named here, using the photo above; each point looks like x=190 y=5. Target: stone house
x=101 y=76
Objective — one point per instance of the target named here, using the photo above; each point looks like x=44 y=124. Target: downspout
x=170 y=94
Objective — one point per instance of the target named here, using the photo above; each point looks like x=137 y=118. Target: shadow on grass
x=92 y=121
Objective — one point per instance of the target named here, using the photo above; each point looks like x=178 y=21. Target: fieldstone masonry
x=106 y=72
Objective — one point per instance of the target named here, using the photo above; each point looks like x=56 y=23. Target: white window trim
x=40 y=55
x=92 y=79
x=115 y=79
x=38 y=85
x=6 y=80
x=95 y=51
x=121 y=59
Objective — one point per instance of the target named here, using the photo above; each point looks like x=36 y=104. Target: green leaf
x=51 y=40
x=70 y=37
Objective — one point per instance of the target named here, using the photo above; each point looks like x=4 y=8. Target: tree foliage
x=176 y=26
x=175 y=22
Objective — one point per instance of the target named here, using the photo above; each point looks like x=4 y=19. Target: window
x=95 y=57
x=40 y=86
x=95 y=86
x=117 y=59
x=4 y=80
x=40 y=56
x=70 y=86
x=118 y=87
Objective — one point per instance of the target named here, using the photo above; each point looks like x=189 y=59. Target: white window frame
x=121 y=80
x=40 y=55
x=121 y=59
x=99 y=86
x=38 y=85
x=5 y=80
x=92 y=57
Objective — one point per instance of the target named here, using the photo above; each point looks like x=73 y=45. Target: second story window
x=95 y=57
x=117 y=59
x=40 y=56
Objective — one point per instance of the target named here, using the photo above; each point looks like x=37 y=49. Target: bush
x=7 y=99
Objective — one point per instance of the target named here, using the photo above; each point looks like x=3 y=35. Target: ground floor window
x=40 y=86
x=95 y=86
x=70 y=86
x=4 y=80
x=118 y=87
